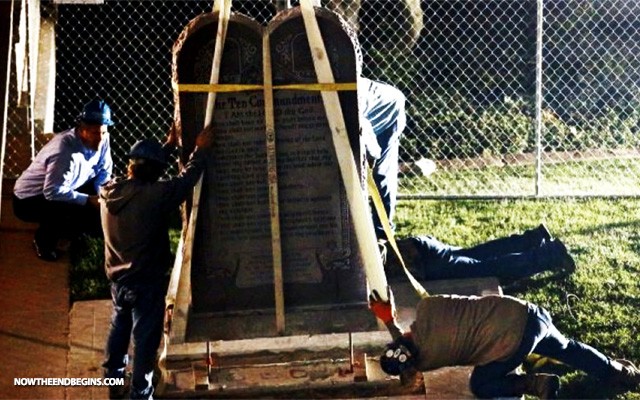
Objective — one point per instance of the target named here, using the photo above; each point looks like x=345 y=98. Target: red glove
x=385 y=310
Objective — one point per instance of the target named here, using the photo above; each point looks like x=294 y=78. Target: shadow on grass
x=616 y=225
x=523 y=285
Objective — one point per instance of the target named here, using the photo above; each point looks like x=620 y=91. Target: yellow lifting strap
x=228 y=88
x=386 y=225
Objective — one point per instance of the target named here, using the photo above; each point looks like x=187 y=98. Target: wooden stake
x=365 y=233
x=182 y=295
x=274 y=207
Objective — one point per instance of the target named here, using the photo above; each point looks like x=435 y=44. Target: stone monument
x=232 y=269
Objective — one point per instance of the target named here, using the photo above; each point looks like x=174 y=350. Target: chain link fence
x=504 y=98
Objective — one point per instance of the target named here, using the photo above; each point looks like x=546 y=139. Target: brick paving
x=34 y=324
x=88 y=328
x=41 y=336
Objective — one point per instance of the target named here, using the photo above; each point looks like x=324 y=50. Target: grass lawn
x=603 y=177
x=598 y=304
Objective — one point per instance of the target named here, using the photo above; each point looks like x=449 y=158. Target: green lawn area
x=603 y=177
x=598 y=304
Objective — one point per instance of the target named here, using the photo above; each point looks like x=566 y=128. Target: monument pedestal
x=330 y=365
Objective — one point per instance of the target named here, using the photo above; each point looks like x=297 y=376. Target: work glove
x=384 y=310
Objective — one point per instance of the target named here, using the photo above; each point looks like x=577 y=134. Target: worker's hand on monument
x=204 y=140
x=385 y=310
x=172 y=137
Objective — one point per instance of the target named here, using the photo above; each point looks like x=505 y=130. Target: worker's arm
x=178 y=188
x=385 y=311
x=104 y=168
x=61 y=177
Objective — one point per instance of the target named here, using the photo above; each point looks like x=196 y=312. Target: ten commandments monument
x=232 y=279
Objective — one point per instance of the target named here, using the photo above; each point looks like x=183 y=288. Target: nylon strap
x=227 y=88
x=386 y=225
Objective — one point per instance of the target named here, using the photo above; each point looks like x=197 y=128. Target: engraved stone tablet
x=232 y=267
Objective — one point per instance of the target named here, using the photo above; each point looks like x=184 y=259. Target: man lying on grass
x=495 y=334
x=508 y=258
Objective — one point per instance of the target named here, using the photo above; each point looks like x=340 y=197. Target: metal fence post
x=538 y=116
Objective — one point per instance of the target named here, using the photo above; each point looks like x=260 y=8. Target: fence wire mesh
x=479 y=121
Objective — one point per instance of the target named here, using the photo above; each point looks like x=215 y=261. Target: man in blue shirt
x=59 y=189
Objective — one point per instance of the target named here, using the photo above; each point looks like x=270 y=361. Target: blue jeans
x=513 y=257
x=138 y=309
x=541 y=337
x=384 y=109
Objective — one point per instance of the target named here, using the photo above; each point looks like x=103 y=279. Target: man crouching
x=494 y=334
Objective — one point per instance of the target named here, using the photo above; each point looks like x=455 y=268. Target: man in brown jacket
x=495 y=334
x=135 y=218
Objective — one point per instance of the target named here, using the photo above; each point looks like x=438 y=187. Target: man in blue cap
x=59 y=189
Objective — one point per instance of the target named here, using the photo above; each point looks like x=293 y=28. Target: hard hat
x=148 y=149
x=397 y=357
x=96 y=112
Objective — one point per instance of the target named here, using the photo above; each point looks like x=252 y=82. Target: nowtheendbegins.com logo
x=68 y=381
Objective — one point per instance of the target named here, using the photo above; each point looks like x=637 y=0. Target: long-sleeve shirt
x=381 y=107
x=135 y=220
x=63 y=165
x=454 y=330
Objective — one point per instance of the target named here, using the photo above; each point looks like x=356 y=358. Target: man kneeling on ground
x=494 y=334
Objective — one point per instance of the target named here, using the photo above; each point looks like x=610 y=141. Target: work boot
x=44 y=251
x=535 y=237
x=562 y=260
x=625 y=375
x=117 y=392
x=543 y=386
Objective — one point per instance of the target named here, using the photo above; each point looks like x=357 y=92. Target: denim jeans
x=513 y=257
x=541 y=337
x=138 y=310
x=384 y=109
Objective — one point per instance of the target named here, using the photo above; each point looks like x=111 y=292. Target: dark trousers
x=541 y=337
x=513 y=257
x=138 y=310
x=57 y=219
